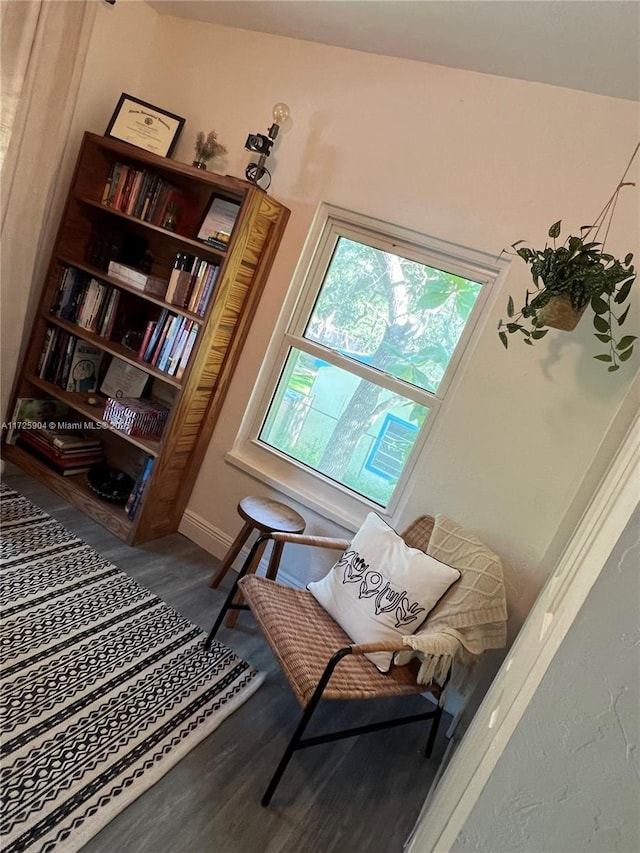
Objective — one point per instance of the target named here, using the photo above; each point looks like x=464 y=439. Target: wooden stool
x=265 y=516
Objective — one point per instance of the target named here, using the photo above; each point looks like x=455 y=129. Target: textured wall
x=569 y=779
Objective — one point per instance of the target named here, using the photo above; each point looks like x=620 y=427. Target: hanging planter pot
x=570 y=276
x=559 y=313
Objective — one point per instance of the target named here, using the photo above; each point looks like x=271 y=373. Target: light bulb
x=280 y=113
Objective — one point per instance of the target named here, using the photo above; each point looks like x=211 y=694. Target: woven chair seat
x=303 y=638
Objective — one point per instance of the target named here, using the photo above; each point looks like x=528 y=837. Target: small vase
x=200 y=164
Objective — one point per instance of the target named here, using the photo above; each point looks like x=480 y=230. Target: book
x=184 y=358
x=123 y=180
x=159 y=348
x=135 y=498
x=68 y=358
x=205 y=297
x=83 y=373
x=111 y=183
x=155 y=335
x=149 y=328
x=123 y=380
x=34 y=410
x=201 y=275
x=108 y=320
x=51 y=361
x=44 y=352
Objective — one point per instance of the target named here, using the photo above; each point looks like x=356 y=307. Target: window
x=382 y=318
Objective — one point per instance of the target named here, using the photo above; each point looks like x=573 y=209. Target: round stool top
x=268 y=515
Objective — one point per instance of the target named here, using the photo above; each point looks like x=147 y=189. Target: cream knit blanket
x=471 y=617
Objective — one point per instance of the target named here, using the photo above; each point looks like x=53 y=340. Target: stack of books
x=66 y=451
x=145 y=282
x=136 y=416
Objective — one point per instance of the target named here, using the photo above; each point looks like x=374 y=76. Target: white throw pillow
x=380 y=589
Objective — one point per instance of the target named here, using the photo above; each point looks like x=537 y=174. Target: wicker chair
x=318 y=659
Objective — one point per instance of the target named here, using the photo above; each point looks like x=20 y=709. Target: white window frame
x=292 y=478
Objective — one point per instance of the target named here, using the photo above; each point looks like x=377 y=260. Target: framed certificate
x=144 y=125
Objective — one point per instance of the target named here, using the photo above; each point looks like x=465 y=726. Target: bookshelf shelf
x=122 y=285
x=113 y=348
x=78 y=403
x=76 y=491
x=186 y=242
x=194 y=345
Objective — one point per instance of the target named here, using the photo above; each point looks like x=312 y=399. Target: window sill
x=328 y=501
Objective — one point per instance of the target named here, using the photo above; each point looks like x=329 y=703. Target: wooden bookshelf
x=196 y=397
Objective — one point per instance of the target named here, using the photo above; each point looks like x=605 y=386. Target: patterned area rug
x=104 y=687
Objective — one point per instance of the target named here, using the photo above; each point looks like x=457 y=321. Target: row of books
x=85 y=301
x=140 y=193
x=191 y=283
x=135 y=498
x=69 y=362
x=136 y=416
x=66 y=451
x=168 y=342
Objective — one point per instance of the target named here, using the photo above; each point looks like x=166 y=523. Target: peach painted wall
x=469 y=158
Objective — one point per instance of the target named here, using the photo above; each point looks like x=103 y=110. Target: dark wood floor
x=359 y=794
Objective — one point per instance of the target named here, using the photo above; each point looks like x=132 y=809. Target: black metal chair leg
x=234 y=588
x=434 y=731
x=306 y=716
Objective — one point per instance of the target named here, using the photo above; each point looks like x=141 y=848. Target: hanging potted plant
x=568 y=278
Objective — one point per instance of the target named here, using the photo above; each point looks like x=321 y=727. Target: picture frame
x=218 y=222
x=144 y=125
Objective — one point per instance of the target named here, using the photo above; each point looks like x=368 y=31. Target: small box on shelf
x=144 y=282
x=136 y=416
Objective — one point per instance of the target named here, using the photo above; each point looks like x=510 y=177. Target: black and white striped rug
x=104 y=686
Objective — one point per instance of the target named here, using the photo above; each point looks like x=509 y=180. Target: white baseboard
x=216 y=542
x=204 y=534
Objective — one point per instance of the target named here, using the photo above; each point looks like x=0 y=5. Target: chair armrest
x=315 y=541
x=383 y=646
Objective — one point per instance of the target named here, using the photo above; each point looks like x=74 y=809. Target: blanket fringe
x=434 y=668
